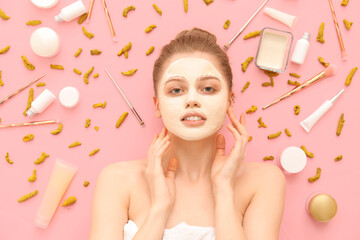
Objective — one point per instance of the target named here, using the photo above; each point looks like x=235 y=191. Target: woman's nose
x=192 y=99
x=193 y=103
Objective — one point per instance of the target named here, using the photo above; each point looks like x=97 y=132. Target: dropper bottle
x=310 y=121
x=301 y=49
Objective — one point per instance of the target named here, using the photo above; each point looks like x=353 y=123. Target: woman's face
x=193 y=98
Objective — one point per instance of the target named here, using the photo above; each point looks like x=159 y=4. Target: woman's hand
x=162 y=186
x=225 y=168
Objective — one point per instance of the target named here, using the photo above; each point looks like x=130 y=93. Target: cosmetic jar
x=292 y=159
x=69 y=97
x=321 y=207
x=45 y=42
x=273 y=50
x=45 y=3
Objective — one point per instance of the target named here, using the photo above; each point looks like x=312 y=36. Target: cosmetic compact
x=273 y=50
x=321 y=207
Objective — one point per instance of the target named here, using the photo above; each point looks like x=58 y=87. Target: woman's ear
x=157 y=109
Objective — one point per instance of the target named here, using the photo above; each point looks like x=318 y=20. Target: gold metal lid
x=322 y=207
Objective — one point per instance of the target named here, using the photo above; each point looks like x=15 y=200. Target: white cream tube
x=60 y=179
x=310 y=121
x=287 y=19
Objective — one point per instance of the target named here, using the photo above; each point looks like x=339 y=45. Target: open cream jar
x=273 y=50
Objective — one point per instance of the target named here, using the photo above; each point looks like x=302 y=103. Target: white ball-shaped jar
x=45 y=42
x=44 y=3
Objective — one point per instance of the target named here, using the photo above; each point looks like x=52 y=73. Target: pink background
x=131 y=141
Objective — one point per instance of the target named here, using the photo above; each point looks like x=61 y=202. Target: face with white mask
x=193 y=97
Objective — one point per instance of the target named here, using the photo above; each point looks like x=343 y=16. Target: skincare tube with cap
x=310 y=121
x=60 y=179
x=287 y=19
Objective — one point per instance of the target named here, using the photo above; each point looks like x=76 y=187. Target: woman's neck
x=195 y=158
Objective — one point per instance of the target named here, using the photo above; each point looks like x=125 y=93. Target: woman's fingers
x=242 y=119
x=240 y=126
x=238 y=141
x=233 y=159
x=159 y=149
x=163 y=132
x=220 y=145
x=157 y=143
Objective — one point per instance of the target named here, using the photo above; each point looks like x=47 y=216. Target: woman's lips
x=193 y=123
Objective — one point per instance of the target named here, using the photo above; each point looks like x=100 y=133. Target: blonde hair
x=189 y=41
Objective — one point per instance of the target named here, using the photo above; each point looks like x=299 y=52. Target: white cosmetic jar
x=292 y=159
x=45 y=42
x=45 y=3
x=69 y=97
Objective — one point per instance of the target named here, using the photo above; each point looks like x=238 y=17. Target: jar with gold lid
x=321 y=207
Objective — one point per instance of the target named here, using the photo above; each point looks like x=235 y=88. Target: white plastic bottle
x=301 y=49
x=41 y=102
x=71 y=12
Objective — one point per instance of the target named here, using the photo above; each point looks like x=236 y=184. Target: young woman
x=187 y=188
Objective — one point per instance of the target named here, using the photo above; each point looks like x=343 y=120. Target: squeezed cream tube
x=287 y=19
x=60 y=179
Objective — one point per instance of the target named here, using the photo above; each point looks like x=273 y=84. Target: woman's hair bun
x=197 y=33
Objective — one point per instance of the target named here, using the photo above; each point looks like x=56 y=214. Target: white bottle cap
x=58 y=18
x=44 y=3
x=69 y=97
x=306 y=35
x=41 y=222
x=45 y=42
x=30 y=112
x=293 y=159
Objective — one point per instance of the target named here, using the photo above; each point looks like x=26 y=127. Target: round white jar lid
x=293 y=159
x=69 y=97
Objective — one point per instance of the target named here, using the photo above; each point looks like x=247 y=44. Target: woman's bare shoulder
x=125 y=169
x=259 y=172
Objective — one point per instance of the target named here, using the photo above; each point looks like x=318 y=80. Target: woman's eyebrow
x=207 y=77
x=176 y=79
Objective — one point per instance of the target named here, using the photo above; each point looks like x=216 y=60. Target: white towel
x=182 y=231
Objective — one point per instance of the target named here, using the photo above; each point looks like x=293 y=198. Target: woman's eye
x=209 y=89
x=176 y=90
